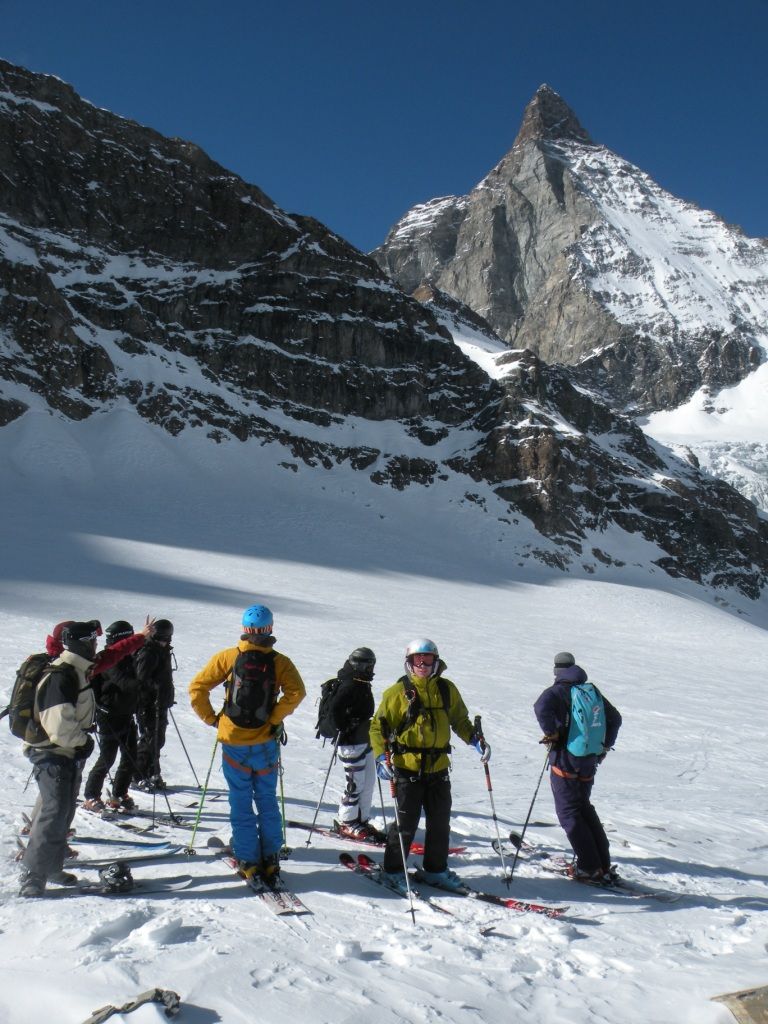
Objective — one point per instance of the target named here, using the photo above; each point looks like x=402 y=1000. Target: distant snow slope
x=728 y=432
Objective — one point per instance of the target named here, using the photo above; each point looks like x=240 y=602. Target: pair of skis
x=558 y=865
x=330 y=833
x=279 y=898
x=364 y=865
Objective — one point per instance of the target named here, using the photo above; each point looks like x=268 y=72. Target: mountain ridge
x=115 y=293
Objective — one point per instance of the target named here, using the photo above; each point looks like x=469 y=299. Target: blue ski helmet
x=423 y=646
x=257 y=619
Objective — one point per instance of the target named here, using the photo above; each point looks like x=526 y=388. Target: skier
x=64 y=708
x=263 y=687
x=349 y=710
x=572 y=771
x=410 y=735
x=116 y=695
x=156 y=695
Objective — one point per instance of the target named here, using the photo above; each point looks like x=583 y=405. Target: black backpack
x=251 y=689
x=21 y=708
x=326 y=726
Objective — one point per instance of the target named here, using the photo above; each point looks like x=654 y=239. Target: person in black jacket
x=572 y=775
x=154 y=672
x=350 y=710
x=116 y=699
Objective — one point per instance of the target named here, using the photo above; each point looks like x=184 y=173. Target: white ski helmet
x=422 y=646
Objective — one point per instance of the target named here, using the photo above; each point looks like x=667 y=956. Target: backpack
x=21 y=708
x=252 y=689
x=586 y=728
x=326 y=726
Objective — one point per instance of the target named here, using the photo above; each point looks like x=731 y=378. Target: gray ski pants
x=58 y=779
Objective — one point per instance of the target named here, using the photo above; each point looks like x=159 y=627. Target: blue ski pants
x=251 y=774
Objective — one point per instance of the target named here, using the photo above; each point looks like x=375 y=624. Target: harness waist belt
x=570 y=775
x=244 y=767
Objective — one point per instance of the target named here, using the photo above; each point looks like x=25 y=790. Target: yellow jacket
x=422 y=744
x=217 y=671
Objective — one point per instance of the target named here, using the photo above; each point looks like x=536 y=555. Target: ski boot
x=32 y=885
x=394 y=880
x=447 y=879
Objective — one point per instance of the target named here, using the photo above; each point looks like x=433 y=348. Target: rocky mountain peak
x=548 y=116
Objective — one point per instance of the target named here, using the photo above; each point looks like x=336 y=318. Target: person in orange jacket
x=262 y=687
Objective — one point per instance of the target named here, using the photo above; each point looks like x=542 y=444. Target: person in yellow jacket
x=410 y=736
x=263 y=687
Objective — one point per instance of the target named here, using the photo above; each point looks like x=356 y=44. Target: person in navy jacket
x=571 y=776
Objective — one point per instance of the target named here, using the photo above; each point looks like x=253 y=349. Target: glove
x=602 y=757
x=277 y=732
x=550 y=739
x=215 y=722
x=84 y=751
x=383 y=770
x=483 y=748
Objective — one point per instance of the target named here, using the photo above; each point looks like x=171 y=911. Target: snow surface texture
x=91 y=531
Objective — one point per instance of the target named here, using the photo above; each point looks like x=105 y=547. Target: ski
x=329 y=833
x=620 y=886
x=280 y=900
x=127 y=826
x=172 y=820
x=523 y=906
x=558 y=865
x=77 y=840
x=370 y=869
x=139 y=858
x=140 y=888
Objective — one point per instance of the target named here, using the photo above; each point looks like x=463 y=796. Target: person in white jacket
x=64 y=707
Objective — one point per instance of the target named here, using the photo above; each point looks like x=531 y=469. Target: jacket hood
x=572 y=674
x=265 y=644
x=75 y=660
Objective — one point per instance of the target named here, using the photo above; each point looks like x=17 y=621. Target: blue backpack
x=586 y=729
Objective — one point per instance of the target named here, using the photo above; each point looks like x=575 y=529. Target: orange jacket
x=217 y=672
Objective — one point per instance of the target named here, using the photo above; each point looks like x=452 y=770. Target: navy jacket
x=552 y=711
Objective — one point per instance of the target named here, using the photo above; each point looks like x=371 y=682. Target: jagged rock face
x=135 y=271
x=576 y=469
x=121 y=244
x=570 y=251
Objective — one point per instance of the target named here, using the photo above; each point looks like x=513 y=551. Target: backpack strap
x=410 y=717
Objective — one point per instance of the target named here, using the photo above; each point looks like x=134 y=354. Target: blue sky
x=353 y=112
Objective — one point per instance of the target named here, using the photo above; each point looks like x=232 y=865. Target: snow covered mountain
x=137 y=275
x=569 y=250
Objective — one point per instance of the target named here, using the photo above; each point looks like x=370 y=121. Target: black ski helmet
x=163 y=630
x=80 y=638
x=362 y=661
x=118 y=631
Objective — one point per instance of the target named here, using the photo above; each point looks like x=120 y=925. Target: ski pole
x=286 y=851
x=191 y=848
x=489 y=787
x=527 y=819
x=184 y=748
x=393 y=792
x=325 y=783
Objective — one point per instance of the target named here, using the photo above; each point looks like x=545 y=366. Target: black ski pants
x=153 y=722
x=119 y=734
x=581 y=823
x=431 y=794
x=58 y=779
